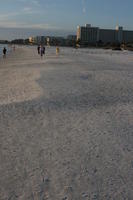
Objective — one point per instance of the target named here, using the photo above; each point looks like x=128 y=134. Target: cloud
x=9 y=20
x=35 y=2
x=84 y=10
x=6 y=21
x=6 y=17
x=28 y=10
x=84 y=6
x=32 y=2
x=14 y=24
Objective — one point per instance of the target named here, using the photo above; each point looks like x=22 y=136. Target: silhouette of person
x=38 y=49
x=43 y=49
x=4 y=52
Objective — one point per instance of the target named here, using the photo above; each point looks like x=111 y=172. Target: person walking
x=38 y=49
x=42 y=51
x=57 y=50
x=4 y=52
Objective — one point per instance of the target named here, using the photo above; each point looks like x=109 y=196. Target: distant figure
x=4 y=52
x=57 y=50
x=38 y=49
x=42 y=51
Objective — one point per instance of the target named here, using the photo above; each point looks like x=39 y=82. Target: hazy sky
x=21 y=18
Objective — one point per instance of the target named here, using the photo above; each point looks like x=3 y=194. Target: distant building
x=37 y=40
x=107 y=36
x=119 y=34
x=40 y=39
x=127 y=36
x=88 y=34
x=91 y=35
x=47 y=40
x=52 y=40
x=71 y=37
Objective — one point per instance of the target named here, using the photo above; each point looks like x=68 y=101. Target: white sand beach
x=66 y=124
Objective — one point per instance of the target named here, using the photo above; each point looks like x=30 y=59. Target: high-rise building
x=119 y=33
x=90 y=35
x=87 y=34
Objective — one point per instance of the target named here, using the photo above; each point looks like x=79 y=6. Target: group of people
x=41 y=50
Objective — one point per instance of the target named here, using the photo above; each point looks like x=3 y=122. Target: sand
x=66 y=125
x=18 y=84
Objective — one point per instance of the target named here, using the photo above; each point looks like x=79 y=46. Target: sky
x=24 y=18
